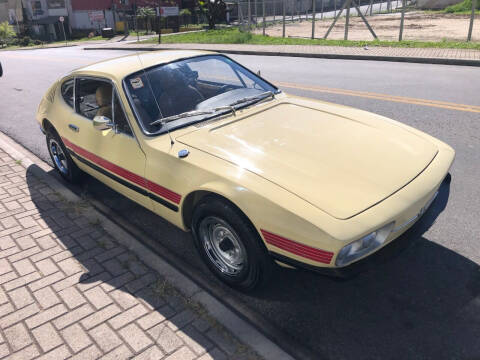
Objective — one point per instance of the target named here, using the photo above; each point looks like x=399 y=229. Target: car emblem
x=183 y=153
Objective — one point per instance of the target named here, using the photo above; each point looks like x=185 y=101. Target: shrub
x=6 y=33
x=25 y=41
x=464 y=6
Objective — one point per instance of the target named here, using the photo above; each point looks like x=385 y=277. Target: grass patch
x=464 y=7
x=234 y=36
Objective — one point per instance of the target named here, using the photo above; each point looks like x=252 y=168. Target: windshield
x=192 y=90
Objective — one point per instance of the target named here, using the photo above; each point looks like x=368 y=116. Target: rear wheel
x=229 y=245
x=61 y=158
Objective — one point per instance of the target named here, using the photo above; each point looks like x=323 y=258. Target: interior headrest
x=104 y=95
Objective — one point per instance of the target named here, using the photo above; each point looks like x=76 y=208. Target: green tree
x=6 y=33
x=214 y=10
x=146 y=13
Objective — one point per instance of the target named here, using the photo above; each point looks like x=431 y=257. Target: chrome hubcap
x=222 y=245
x=58 y=156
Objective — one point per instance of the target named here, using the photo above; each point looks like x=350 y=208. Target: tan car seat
x=104 y=101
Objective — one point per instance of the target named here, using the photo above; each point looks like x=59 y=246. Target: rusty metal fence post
x=402 y=19
x=263 y=15
x=283 y=20
x=472 y=17
x=313 y=17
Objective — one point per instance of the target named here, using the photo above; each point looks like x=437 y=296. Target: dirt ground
x=418 y=25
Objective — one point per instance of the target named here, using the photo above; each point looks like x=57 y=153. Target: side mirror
x=1 y=70
x=102 y=123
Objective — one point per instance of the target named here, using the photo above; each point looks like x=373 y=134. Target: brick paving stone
x=24 y=267
x=165 y=337
x=46 y=297
x=90 y=353
x=76 y=337
x=105 y=337
x=100 y=316
x=123 y=298
x=135 y=337
x=127 y=316
x=72 y=297
x=25 y=354
x=47 y=337
x=183 y=353
x=46 y=267
x=46 y=315
x=195 y=340
x=68 y=290
x=22 y=281
x=181 y=319
x=73 y=316
x=59 y=353
x=98 y=297
x=70 y=266
x=4 y=351
x=213 y=354
x=18 y=315
x=18 y=336
x=21 y=297
x=6 y=309
x=152 y=319
x=5 y=266
x=152 y=353
x=122 y=352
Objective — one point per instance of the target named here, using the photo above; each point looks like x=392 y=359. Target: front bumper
x=404 y=208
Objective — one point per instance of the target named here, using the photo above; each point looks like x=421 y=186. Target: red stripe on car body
x=128 y=175
x=296 y=248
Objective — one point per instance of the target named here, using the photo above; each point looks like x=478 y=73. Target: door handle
x=73 y=127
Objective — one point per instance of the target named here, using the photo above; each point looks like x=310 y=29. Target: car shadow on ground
x=413 y=299
x=112 y=267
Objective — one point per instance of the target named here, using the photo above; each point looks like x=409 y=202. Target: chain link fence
x=390 y=20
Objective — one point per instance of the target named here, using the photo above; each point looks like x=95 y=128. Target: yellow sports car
x=257 y=175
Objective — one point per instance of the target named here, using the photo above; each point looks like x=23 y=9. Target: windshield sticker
x=136 y=83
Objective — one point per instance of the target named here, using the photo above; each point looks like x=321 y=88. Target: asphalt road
x=420 y=297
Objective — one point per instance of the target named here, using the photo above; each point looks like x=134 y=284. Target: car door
x=114 y=156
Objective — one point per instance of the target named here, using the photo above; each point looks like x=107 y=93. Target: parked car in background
x=257 y=175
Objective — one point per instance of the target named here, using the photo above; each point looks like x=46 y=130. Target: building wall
x=80 y=20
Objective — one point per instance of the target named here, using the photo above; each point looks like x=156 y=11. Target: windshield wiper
x=230 y=107
x=261 y=96
x=192 y=113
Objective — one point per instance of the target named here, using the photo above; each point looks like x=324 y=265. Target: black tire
x=62 y=161
x=258 y=265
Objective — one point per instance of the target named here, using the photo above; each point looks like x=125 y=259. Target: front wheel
x=61 y=159
x=229 y=245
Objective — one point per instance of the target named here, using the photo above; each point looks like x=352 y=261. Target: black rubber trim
x=125 y=183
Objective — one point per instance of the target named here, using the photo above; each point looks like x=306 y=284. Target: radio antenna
x=154 y=97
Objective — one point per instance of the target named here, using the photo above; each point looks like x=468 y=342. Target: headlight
x=363 y=246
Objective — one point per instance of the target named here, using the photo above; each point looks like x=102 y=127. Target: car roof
x=122 y=66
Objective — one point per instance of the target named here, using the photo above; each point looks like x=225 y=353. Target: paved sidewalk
x=420 y=55
x=69 y=289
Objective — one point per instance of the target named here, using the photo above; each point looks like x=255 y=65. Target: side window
x=93 y=98
x=67 y=91
x=119 y=117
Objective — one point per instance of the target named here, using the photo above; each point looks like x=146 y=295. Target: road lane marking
x=385 y=97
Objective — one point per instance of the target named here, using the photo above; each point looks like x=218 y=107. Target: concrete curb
x=419 y=60
x=243 y=330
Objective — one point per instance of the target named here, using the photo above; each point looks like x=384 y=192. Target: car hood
x=338 y=163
